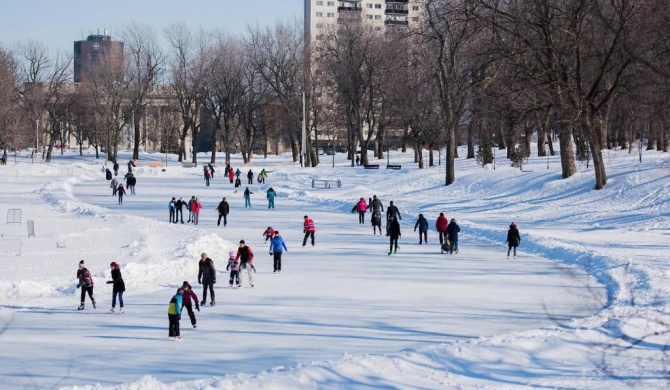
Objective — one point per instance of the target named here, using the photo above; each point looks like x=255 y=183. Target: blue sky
x=58 y=23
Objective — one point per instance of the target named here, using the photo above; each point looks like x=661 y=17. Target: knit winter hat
x=242 y=242
x=113 y=264
x=81 y=263
x=276 y=232
x=232 y=254
x=180 y=291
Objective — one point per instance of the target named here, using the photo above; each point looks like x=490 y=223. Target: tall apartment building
x=383 y=15
x=92 y=52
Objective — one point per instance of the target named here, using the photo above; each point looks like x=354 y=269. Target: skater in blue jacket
x=277 y=247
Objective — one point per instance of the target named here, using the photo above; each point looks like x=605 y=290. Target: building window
x=378 y=6
x=415 y=7
x=319 y=14
x=319 y=25
x=319 y=2
x=369 y=5
x=331 y=14
x=331 y=3
x=415 y=19
x=378 y=17
x=369 y=16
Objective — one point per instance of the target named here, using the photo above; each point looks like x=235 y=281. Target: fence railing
x=10 y=247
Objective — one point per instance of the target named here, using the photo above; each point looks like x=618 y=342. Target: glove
x=78 y=285
x=199 y=282
x=178 y=317
x=110 y=282
x=197 y=307
x=270 y=253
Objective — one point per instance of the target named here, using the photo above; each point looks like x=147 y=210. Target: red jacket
x=186 y=297
x=231 y=174
x=308 y=226
x=441 y=223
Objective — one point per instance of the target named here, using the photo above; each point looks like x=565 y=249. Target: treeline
x=591 y=75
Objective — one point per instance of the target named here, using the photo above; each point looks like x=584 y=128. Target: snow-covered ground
x=589 y=282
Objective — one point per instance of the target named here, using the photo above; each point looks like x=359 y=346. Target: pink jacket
x=361 y=205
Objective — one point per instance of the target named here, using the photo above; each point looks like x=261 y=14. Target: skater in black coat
x=394 y=233
x=513 y=239
x=118 y=287
x=116 y=168
x=206 y=277
x=223 y=208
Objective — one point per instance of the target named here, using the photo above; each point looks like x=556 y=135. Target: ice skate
x=81 y=307
x=111 y=311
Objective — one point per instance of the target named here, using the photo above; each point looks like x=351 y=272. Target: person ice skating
x=191 y=216
x=513 y=239
x=207 y=176
x=247 y=197
x=174 y=314
x=103 y=169
x=238 y=184
x=179 y=208
x=86 y=284
x=376 y=221
x=121 y=192
x=238 y=173
x=206 y=277
x=392 y=212
x=250 y=176
x=376 y=204
x=231 y=175
x=246 y=257
x=361 y=207
x=271 y=194
x=114 y=185
x=172 y=208
x=108 y=174
x=422 y=224
x=196 y=207
x=309 y=229
x=277 y=247
x=223 y=208
x=211 y=170
x=394 y=234
x=131 y=164
x=263 y=175
x=116 y=168
x=132 y=180
x=269 y=233
x=234 y=268
x=441 y=226
x=118 y=287
x=452 y=234
x=358 y=160
x=187 y=296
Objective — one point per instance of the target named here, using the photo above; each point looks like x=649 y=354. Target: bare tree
x=145 y=61
x=278 y=53
x=187 y=72
x=10 y=126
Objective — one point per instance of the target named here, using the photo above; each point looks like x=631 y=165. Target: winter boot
x=93 y=301
x=212 y=303
x=81 y=307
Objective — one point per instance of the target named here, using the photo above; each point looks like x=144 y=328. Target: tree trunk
x=136 y=124
x=567 y=153
x=450 y=159
x=596 y=151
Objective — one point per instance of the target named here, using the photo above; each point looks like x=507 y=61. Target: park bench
x=155 y=164
x=186 y=164
x=137 y=164
x=393 y=166
x=371 y=166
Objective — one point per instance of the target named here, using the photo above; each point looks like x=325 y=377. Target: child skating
x=174 y=314
x=86 y=284
x=234 y=268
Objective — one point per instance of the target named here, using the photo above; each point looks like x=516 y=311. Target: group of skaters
x=86 y=284
x=447 y=230
x=176 y=210
x=117 y=187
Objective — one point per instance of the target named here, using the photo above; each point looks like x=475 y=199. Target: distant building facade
x=95 y=51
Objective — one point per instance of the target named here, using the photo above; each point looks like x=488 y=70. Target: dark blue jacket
x=422 y=224
x=452 y=231
x=277 y=244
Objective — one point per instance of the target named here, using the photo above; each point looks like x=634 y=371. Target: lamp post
x=494 y=158
x=547 y=152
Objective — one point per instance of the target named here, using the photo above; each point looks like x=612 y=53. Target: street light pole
x=494 y=159
x=547 y=152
